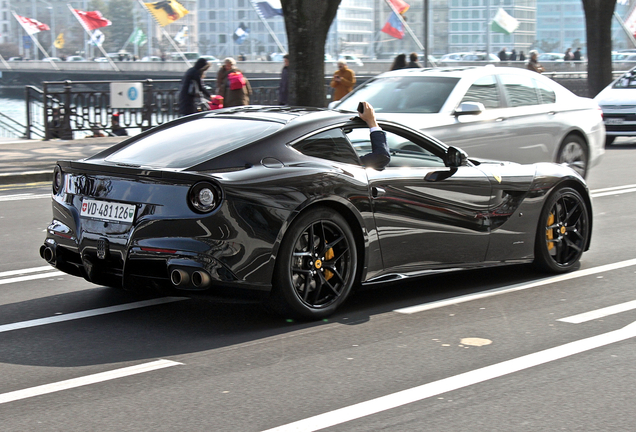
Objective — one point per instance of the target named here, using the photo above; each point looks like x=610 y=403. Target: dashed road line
x=517 y=287
x=599 y=313
x=85 y=380
x=88 y=313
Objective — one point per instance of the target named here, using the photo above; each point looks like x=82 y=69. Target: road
x=505 y=349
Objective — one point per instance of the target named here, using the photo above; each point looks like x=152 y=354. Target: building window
x=212 y=15
x=222 y=39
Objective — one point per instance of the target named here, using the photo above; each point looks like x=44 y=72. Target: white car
x=500 y=113
x=151 y=59
x=618 y=102
x=350 y=59
x=75 y=58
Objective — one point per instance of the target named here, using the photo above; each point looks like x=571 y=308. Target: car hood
x=611 y=96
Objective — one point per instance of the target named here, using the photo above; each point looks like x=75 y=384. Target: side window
x=484 y=90
x=521 y=90
x=545 y=92
x=404 y=151
x=331 y=145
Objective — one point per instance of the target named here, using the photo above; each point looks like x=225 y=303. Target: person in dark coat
x=283 y=86
x=116 y=127
x=502 y=54
x=522 y=56
x=577 y=54
x=189 y=96
x=513 y=55
x=399 y=62
x=413 y=61
x=380 y=155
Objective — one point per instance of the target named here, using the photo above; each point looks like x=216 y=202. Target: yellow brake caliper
x=329 y=256
x=549 y=232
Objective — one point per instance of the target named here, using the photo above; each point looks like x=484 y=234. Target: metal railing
x=61 y=108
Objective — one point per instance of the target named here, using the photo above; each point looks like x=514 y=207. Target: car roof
x=455 y=71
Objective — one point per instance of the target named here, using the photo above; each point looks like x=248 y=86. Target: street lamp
x=52 y=16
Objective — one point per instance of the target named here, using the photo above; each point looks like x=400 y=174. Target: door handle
x=500 y=119
x=377 y=192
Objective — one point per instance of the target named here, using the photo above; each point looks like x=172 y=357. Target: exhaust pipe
x=200 y=279
x=48 y=254
x=179 y=277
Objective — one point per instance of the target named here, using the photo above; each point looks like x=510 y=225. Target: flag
x=503 y=23
x=182 y=36
x=30 y=25
x=138 y=37
x=59 y=41
x=92 y=20
x=400 y=6
x=394 y=26
x=240 y=34
x=97 y=38
x=267 y=8
x=166 y=11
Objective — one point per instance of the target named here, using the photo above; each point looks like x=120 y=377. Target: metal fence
x=61 y=108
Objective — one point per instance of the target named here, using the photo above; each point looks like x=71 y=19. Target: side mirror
x=455 y=157
x=473 y=108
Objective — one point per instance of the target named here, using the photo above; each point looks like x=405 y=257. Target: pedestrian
x=399 y=62
x=577 y=54
x=513 y=55
x=116 y=128
x=342 y=81
x=522 y=56
x=192 y=92
x=502 y=54
x=236 y=89
x=413 y=63
x=533 y=63
x=568 y=55
x=283 y=85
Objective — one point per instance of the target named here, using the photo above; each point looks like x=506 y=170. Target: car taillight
x=204 y=197
x=58 y=179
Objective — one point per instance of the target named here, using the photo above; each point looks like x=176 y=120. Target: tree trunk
x=307 y=23
x=598 y=22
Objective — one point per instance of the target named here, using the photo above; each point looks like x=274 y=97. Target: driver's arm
x=379 y=156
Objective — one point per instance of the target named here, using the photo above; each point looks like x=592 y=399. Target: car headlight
x=204 y=197
x=58 y=179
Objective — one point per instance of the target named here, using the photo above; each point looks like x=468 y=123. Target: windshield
x=403 y=94
x=193 y=142
x=627 y=81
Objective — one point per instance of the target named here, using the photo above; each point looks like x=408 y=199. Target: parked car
x=453 y=57
x=151 y=59
x=75 y=58
x=481 y=56
x=545 y=57
x=618 y=102
x=275 y=201
x=351 y=59
x=100 y=60
x=53 y=59
x=12 y=59
x=492 y=112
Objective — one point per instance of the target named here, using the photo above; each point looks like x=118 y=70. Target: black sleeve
x=203 y=90
x=379 y=156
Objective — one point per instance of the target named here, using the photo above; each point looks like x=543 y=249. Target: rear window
x=403 y=94
x=193 y=142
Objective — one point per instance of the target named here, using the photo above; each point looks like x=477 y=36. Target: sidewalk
x=26 y=161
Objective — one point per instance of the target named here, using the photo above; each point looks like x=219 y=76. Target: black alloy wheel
x=563 y=231
x=316 y=266
x=573 y=153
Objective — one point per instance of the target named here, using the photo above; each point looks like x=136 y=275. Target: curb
x=26 y=177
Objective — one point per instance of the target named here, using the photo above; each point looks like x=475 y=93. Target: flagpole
x=35 y=41
x=168 y=36
x=269 y=29
x=625 y=29
x=83 y=24
x=406 y=26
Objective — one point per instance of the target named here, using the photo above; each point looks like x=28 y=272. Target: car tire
x=573 y=153
x=316 y=266
x=563 y=231
x=609 y=140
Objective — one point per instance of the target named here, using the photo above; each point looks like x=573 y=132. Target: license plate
x=614 y=121
x=111 y=211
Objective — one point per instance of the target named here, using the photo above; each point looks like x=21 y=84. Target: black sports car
x=274 y=201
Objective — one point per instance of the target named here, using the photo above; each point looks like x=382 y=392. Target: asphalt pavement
x=26 y=161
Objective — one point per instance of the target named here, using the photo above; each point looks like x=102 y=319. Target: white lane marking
x=631 y=186
x=20 y=197
x=445 y=385
x=85 y=380
x=618 y=192
x=31 y=277
x=599 y=313
x=88 y=313
x=517 y=287
x=25 y=271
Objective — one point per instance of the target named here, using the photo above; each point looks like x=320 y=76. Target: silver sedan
x=491 y=112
